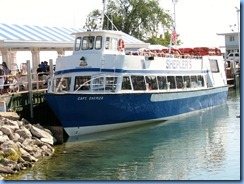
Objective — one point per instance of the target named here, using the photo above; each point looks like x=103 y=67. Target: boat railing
x=173 y=54
x=19 y=82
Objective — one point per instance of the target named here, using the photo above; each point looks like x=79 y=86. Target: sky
x=197 y=21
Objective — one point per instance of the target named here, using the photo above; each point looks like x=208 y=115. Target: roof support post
x=35 y=61
x=12 y=61
x=8 y=56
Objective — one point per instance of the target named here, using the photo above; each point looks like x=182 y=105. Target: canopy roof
x=36 y=33
x=18 y=36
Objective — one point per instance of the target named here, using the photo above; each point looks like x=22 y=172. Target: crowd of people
x=14 y=81
x=43 y=73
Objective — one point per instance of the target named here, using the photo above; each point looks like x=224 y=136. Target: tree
x=139 y=18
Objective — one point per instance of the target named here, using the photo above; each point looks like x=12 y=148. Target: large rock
x=22 y=143
x=24 y=132
x=6 y=170
x=10 y=115
x=42 y=134
x=4 y=138
x=26 y=156
x=6 y=129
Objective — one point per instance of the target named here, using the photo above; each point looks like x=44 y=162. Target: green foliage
x=13 y=154
x=139 y=18
x=1 y=156
x=90 y=22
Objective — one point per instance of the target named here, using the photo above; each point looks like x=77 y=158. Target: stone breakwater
x=22 y=144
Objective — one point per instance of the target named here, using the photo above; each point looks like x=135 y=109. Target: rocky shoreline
x=21 y=143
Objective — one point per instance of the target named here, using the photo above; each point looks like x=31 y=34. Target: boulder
x=22 y=143
x=3 y=138
x=26 y=156
x=42 y=135
x=24 y=132
x=6 y=170
x=10 y=115
x=6 y=130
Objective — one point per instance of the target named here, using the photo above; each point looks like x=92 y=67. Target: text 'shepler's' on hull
x=105 y=85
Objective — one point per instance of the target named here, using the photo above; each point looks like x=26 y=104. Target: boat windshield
x=88 y=43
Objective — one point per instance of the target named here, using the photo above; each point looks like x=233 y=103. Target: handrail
x=23 y=80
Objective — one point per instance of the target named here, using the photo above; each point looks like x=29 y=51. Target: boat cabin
x=100 y=64
x=100 y=41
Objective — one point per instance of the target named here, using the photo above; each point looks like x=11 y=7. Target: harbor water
x=201 y=146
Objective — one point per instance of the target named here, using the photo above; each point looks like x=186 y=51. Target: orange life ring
x=121 y=44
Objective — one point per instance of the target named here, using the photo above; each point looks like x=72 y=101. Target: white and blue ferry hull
x=88 y=113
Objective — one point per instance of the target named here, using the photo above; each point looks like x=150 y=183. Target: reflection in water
x=203 y=146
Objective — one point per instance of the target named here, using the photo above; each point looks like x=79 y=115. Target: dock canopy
x=35 y=39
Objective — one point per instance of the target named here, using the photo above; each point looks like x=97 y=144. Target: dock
x=233 y=77
x=19 y=102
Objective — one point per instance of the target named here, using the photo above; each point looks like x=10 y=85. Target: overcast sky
x=197 y=21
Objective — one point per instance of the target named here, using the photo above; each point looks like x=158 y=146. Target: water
x=203 y=146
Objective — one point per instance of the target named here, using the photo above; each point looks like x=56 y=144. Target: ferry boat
x=104 y=85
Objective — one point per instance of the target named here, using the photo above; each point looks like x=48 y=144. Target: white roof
x=36 y=33
x=14 y=32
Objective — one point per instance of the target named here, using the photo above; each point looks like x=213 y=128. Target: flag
x=174 y=36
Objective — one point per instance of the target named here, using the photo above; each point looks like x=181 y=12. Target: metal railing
x=16 y=83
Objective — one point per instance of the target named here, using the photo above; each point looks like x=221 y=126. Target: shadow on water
x=193 y=147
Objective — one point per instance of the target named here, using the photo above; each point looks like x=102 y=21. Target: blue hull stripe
x=77 y=110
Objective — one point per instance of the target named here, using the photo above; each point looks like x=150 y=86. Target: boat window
x=111 y=83
x=171 y=81
x=63 y=84
x=151 y=82
x=87 y=42
x=187 y=82
x=82 y=83
x=214 y=66
x=126 y=83
x=179 y=82
x=200 y=80
x=193 y=81
x=114 y=43
x=162 y=82
x=98 y=44
x=98 y=83
x=138 y=82
x=111 y=43
x=107 y=43
x=77 y=43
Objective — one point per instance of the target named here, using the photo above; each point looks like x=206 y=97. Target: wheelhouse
x=98 y=41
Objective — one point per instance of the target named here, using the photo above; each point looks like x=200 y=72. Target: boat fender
x=121 y=44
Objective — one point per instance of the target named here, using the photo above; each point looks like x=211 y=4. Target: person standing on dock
x=6 y=72
x=39 y=72
x=1 y=80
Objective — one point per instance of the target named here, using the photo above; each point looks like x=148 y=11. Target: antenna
x=103 y=12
